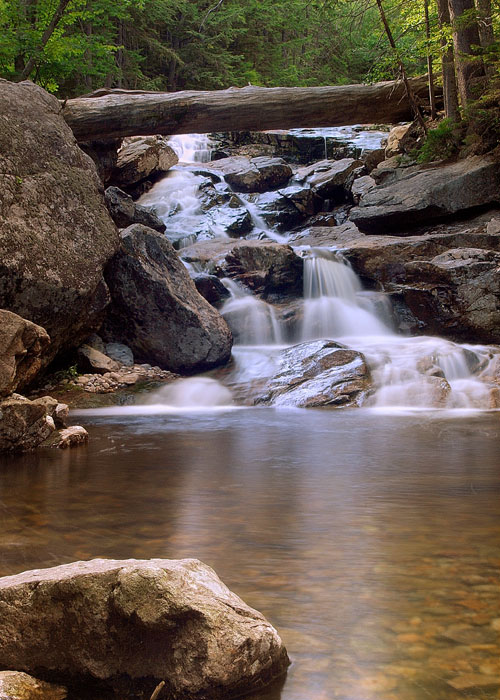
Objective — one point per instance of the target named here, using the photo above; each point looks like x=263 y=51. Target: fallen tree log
x=123 y=113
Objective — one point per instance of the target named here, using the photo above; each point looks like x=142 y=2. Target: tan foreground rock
x=23 y=424
x=22 y=344
x=133 y=623
x=15 y=685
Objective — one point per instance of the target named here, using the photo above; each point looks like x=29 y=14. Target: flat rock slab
x=130 y=624
x=427 y=194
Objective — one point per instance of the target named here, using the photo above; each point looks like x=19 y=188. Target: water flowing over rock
x=156 y=309
x=318 y=373
x=427 y=194
x=22 y=345
x=55 y=232
x=330 y=179
x=131 y=624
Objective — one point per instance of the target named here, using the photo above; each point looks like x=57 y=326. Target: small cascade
x=191 y=148
x=193 y=392
x=261 y=228
x=252 y=320
x=334 y=304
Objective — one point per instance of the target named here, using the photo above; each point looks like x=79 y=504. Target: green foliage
x=441 y=143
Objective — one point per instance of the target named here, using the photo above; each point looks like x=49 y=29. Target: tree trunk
x=56 y=17
x=409 y=92
x=121 y=113
x=485 y=23
x=430 y=71
x=450 y=90
x=465 y=36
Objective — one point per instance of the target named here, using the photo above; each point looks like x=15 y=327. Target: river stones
x=255 y=175
x=141 y=157
x=317 y=373
x=22 y=345
x=130 y=624
x=125 y=211
x=156 y=309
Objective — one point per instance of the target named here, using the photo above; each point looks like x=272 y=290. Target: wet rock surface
x=125 y=212
x=317 y=373
x=131 y=624
x=156 y=309
x=255 y=175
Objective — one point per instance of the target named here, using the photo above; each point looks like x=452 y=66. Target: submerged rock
x=56 y=234
x=130 y=624
x=22 y=345
x=156 y=309
x=15 y=685
x=427 y=194
x=318 y=373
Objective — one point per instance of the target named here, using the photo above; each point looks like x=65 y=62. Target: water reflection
x=370 y=541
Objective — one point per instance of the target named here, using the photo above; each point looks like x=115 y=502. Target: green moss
x=442 y=143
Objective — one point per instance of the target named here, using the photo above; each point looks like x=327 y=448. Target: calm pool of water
x=372 y=542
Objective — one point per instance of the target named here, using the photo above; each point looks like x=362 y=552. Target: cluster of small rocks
x=122 y=378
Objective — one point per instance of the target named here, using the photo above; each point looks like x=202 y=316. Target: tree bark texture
x=465 y=36
x=120 y=113
x=450 y=90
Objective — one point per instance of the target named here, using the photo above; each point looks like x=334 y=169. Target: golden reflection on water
x=371 y=542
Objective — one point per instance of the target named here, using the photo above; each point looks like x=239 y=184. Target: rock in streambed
x=128 y=625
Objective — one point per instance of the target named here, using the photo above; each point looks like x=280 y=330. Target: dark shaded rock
x=427 y=194
x=156 y=309
x=124 y=211
x=55 y=231
x=141 y=157
x=130 y=624
x=15 y=685
x=22 y=346
x=361 y=186
x=120 y=353
x=256 y=175
x=211 y=288
x=373 y=158
x=317 y=373
x=104 y=154
x=23 y=424
x=303 y=198
x=329 y=179
x=278 y=210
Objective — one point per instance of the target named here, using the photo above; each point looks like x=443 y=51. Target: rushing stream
x=369 y=537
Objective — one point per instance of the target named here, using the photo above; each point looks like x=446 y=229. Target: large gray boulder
x=426 y=194
x=156 y=309
x=55 y=232
x=22 y=348
x=317 y=373
x=131 y=624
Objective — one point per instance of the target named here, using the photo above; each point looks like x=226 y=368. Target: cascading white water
x=191 y=148
x=252 y=320
x=333 y=302
x=413 y=372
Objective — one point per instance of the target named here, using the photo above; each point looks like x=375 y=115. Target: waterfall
x=191 y=148
x=334 y=305
x=411 y=372
x=252 y=320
